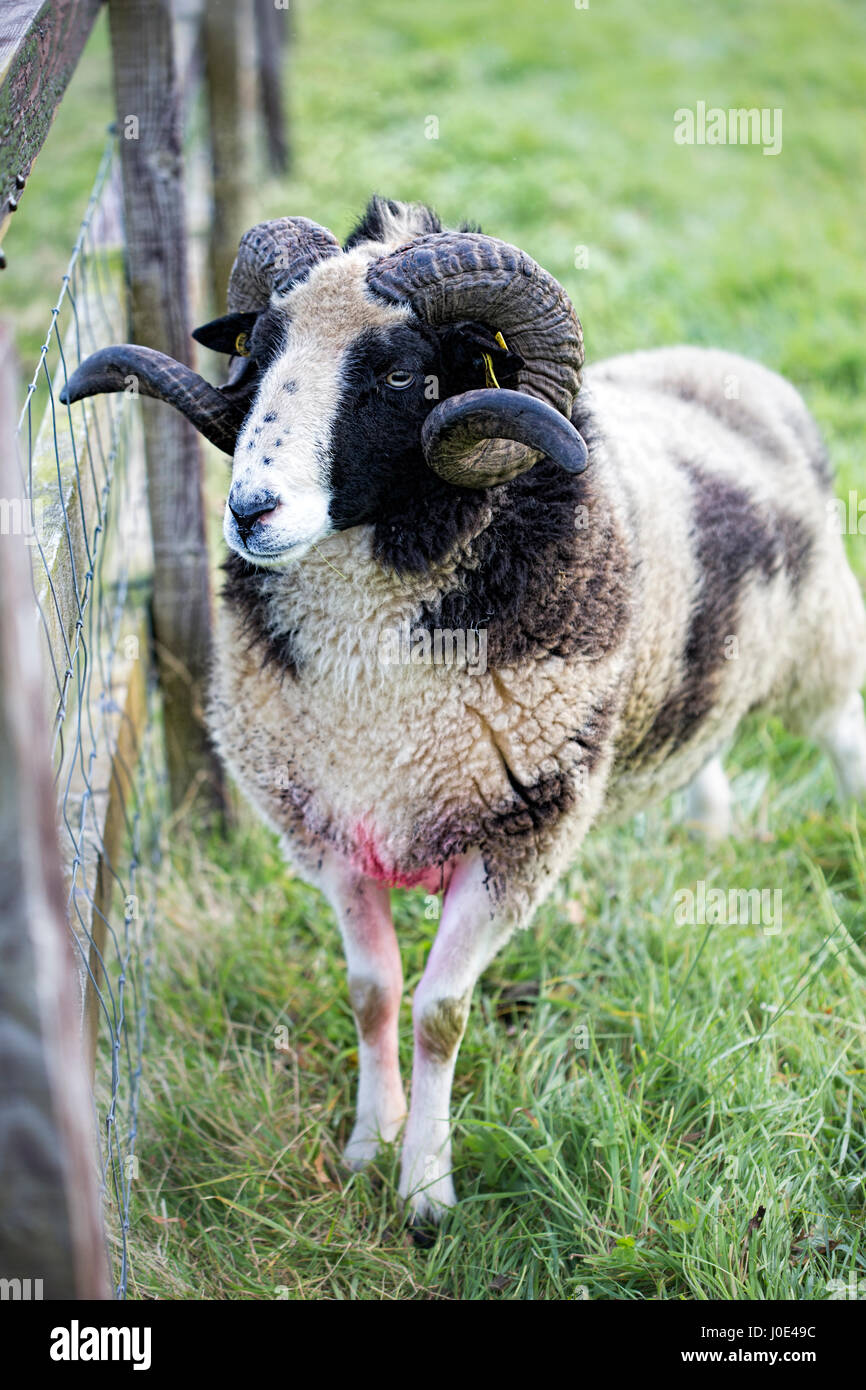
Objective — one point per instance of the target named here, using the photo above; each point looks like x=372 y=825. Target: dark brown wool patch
x=733 y=540
x=593 y=736
x=519 y=826
x=247 y=590
x=736 y=416
x=549 y=576
x=772 y=442
x=440 y=1027
x=797 y=542
x=532 y=808
x=369 y=1005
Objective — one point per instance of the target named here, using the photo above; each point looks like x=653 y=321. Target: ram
x=631 y=567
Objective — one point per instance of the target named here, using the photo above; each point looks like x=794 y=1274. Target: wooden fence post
x=147 y=102
x=228 y=39
x=51 y=1242
x=272 y=37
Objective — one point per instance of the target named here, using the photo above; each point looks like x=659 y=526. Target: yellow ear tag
x=241 y=349
x=489 y=374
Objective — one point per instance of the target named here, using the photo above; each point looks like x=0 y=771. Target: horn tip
x=575 y=460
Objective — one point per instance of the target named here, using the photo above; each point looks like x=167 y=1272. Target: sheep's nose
x=247 y=505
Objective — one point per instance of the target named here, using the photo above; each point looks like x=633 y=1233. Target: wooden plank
x=112 y=782
x=50 y=1228
x=228 y=35
x=145 y=86
x=40 y=44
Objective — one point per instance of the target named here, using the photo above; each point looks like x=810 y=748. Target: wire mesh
x=85 y=515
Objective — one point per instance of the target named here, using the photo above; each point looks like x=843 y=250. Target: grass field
x=631 y=1094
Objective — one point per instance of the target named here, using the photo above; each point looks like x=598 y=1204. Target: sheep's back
x=727 y=489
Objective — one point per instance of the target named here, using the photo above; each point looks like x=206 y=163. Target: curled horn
x=271 y=255
x=159 y=376
x=454 y=432
x=464 y=275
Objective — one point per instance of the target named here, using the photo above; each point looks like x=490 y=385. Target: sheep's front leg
x=375 y=979
x=470 y=934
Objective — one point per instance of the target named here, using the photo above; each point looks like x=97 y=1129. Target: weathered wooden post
x=145 y=84
x=272 y=38
x=51 y=1242
x=227 y=29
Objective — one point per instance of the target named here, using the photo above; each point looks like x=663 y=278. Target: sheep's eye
x=399 y=380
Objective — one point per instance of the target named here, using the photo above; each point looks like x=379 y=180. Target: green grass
x=720 y=1076
x=620 y=1118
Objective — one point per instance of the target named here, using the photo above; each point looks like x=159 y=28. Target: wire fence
x=84 y=513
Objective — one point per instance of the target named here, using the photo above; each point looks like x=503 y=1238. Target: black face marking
x=546 y=522
x=377 y=469
x=247 y=588
x=734 y=540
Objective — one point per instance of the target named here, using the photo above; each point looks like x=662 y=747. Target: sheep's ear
x=229 y=334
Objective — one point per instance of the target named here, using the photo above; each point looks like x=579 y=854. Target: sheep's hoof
x=426 y=1213
x=367 y=1139
x=423 y=1231
x=355 y=1163
x=358 y=1153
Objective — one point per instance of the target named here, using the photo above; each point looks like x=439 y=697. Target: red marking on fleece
x=368 y=859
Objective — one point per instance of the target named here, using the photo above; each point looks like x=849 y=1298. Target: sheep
x=633 y=564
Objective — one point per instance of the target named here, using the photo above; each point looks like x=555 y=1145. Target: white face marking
x=281 y=469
